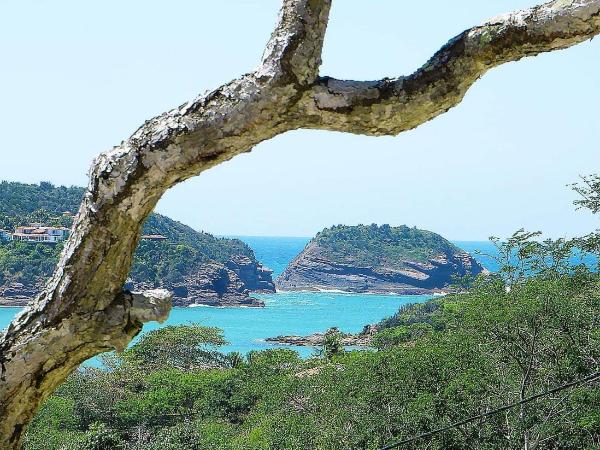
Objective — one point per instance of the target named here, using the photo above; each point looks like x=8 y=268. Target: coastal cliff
x=199 y=268
x=218 y=284
x=211 y=284
x=377 y=259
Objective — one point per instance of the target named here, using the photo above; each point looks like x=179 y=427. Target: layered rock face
x=18 y=294
x=377 y=263
x=213 y=284
x=255 y=276
x=216 y=284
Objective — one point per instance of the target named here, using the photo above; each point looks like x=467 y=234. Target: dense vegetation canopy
x=531 y=326
x=373 y=245
x=155 y=262
x=434 y=364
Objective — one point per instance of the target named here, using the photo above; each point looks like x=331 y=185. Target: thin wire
x=587 y=379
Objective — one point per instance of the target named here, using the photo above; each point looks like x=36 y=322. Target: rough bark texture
x=83 y=310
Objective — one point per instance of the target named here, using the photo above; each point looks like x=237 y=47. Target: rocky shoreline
x=362 y=339
x=221 y=285
x=17 y=294
x=400 y=291
x=320 y=268
x=213 y=284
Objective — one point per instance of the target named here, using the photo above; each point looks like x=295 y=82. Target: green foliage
x=429 y=312
x=235 y=360
x=530 y=327
x=434 y=365
x=589 y=190
x=401 y=334
x=332 y=344
x=101 y=437
x=20 y=199
x=167 y=263
x=372 y=245
x=217 y=249
x=26 y=263
x=55 y=426
x=158 y=263
x=184 y=348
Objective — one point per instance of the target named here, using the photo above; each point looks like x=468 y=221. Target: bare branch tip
x=152 y=305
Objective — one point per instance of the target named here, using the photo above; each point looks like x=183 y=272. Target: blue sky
x=79 y=77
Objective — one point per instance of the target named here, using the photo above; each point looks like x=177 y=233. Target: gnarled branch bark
x=83 y=310
x=392 y=105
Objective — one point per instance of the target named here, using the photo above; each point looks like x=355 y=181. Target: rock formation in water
x=377 y=259
x=362 y=339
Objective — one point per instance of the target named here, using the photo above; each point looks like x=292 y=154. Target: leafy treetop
x=373 y=245
x=156 y=262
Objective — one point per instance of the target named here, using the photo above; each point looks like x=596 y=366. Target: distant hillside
x=22 y=203
x=20 y=199
x=204 y=268
x=382 y=259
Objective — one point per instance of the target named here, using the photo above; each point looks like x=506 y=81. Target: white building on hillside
x=154 y=237
x=35 y=232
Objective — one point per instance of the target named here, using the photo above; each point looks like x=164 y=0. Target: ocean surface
x=296 y=312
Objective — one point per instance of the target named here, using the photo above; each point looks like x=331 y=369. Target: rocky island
x=199 y=268
x=377 y=259
x=362 y=339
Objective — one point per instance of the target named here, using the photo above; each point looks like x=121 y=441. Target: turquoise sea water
x=290 y=313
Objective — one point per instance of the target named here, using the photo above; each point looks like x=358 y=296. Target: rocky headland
x=199 y=268
x=213 y=284
x=218 y=284
x=377 y=259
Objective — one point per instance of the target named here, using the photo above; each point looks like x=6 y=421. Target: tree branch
x=149 y=306
x=293 y=54
x=39 y=359
x=392 y=105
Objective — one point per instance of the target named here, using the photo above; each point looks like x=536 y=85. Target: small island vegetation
x=375 y=245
